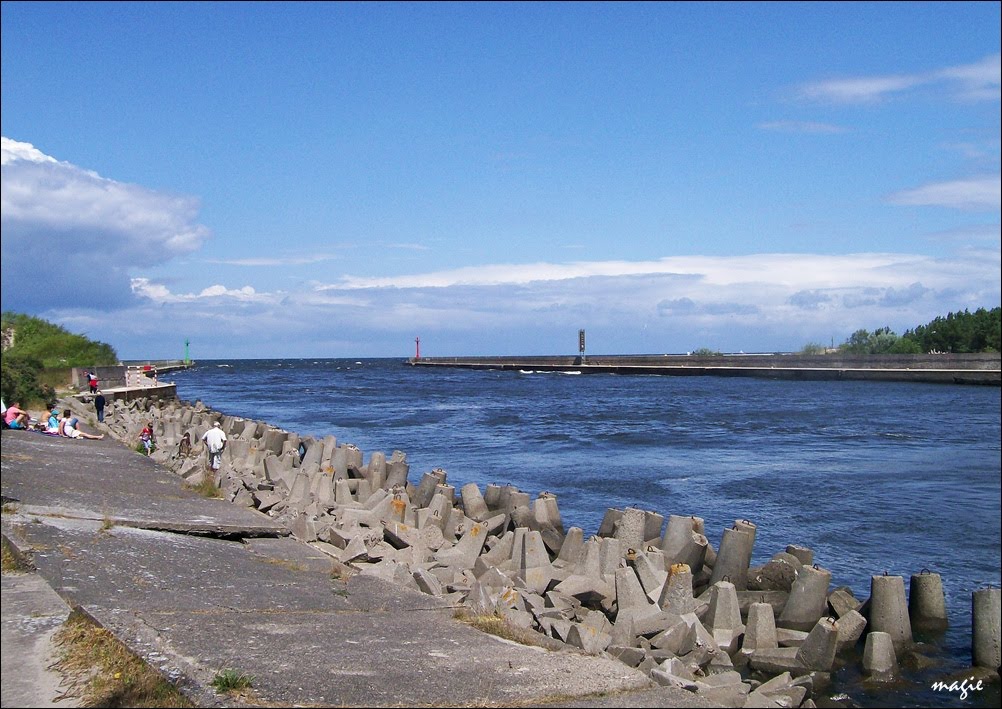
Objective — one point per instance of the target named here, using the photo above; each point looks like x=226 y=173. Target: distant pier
x=974 y=368
x=159 y=365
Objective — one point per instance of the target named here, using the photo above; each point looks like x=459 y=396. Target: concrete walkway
x=31 y=613
x=195 y=586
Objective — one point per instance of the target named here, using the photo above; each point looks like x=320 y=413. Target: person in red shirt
x=147 y=438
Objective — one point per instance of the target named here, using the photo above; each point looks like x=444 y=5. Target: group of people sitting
x=66 y=425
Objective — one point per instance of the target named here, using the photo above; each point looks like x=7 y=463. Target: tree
x=980 y=331
x=881 y=341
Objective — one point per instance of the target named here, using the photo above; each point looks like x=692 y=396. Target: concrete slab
x=190 y=585
x=102 y=479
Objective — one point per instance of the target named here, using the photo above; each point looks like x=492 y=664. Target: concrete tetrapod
x=926 y=602
x=760 y=632
x=818 y=651
x=682 y=543
x=889 y=610
x=880 y=663
x=986 y=617
x=676 y=595
x=808 y=599
x=733 y=558
x=723 y=618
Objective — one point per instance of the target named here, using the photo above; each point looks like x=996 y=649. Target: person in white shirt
x=215 y=442
x=69 y=427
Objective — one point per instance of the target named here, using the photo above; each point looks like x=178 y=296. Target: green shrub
x=39 y=357
x=19 y=381
x=231 y=681
x=52 y=345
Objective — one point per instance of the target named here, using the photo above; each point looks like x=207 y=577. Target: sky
x=339 y=179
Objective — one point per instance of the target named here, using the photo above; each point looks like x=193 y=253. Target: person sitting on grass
x=16 y=417
x=69 y=427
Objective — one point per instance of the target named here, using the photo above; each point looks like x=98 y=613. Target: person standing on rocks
x=99 y=402
x=215 y=441
x=147 y=438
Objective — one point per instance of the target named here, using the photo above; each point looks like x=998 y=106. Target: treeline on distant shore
x=959 y=333
x=33 y=349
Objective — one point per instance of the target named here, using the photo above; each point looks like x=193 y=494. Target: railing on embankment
x=159 y=365
x=130 y=380
x=975 y=368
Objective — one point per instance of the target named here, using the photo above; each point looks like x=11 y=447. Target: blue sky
x=336 y=179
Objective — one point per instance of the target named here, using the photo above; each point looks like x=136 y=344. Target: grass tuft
x=230 y=681
x=206 y=487
x=12 y=561
x=104 y=673
x=342 y=572
x=496 y=624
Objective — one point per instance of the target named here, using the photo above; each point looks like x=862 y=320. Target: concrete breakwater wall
x=649 y=590
x=973 y=368
x=128 y=375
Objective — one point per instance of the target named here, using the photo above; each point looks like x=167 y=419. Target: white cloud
x=974 y=194
x=809 y=127
x=11 y=150
x=268 y=262
x=408 y=247
x=979 y=81
x=159 y=293
x=70 y=229
x=858 y=90
x=777 y=269
x=975 y=82
x=972 y=234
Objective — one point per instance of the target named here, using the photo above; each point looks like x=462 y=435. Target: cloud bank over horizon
x=785 y=299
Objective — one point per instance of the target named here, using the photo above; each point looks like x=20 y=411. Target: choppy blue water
x=873 y=476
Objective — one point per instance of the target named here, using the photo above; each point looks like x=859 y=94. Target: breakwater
x=975 y=368
x=332 y=487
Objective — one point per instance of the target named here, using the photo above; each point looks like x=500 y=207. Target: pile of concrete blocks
x=652 y=592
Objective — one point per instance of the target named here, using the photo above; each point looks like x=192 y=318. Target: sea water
x=874 y=477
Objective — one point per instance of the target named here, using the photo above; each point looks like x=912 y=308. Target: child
x=147 y=438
